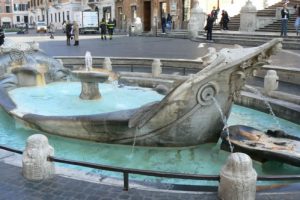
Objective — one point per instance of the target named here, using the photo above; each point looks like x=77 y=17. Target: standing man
x=103 y=29
x=285 y=15
x=110 y=27
x=68 y=32
x=209 y=26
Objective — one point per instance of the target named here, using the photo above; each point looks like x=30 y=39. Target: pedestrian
x=214 y=13
x=103 y=29
x=51 y=30
x=163 y=23
x=209 y=26
x=2 y=36
x=297 y=21
x=76 y=33
x=110 y=28
x=68 y=32
x=115 y=24
x=285 y=15
x=225 y=20
x=169 y=22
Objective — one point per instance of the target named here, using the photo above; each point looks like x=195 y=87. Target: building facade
x=151 y=12
x=6 y=13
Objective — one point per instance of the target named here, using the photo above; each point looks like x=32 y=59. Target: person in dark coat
x=68 y=32
x=163 y=23
x=225 y=20
x=103 y=29
x=209 y=26
x=110 y=27
x=2 y=36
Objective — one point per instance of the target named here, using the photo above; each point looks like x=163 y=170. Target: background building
x=151 y=12
x=6 y=13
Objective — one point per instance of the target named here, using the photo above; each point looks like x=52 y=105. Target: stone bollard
x=237 y=178
x=35 y=164
x=156 y=67
x=107 y=64
x=270 y=81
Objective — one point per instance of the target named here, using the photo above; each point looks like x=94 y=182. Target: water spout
x=224 y=120
x=88 y=61
x=266 y=102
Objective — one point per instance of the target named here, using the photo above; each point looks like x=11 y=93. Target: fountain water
x=266 y=102
x=224 y=120
x=90 y=79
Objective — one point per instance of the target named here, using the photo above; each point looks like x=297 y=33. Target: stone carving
x=237 y=178
x=248 y=17
x=28 y=55
x=156 y=67
x=186 y=116
x=270 y=81
x=35 y=164
x=210 y=56
x=107 y=64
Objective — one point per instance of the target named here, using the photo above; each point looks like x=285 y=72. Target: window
x=63 y=16
x=59 y=17
x=186 y=10
x=55 y=17
x=51 y=17
x=7 y=9
x=68 y=15
x=18 y=18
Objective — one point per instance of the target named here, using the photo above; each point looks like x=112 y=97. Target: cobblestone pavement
x=13 y=186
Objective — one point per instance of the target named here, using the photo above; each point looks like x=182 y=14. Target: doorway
x=147 y=15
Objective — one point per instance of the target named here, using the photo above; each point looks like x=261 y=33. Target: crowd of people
x=212 y=19
x=72 y=30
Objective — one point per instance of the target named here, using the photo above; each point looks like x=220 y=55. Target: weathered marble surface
x=23 y=60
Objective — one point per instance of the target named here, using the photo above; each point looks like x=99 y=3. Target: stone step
x=249 y=39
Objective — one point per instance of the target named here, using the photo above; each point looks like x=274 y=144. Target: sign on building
x=173 y=8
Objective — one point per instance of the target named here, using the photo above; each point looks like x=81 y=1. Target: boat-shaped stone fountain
x=186 y=116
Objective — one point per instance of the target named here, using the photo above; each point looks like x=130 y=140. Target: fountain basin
x=89 y=83
x=186 y=116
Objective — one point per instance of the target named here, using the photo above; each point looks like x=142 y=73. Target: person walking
x=297 y=21
x=2 y=36
x=68 y=32
x=163 y=23
x=110 y=28
x=214 y=13
x=103 y=29
x=285 y=15
x=209 y=26
x=76 y=33
x=51 y=30
x=225 y=20
x=169 y=22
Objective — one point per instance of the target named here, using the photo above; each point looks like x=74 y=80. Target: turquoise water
x=202 y=159
x=62 y=99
